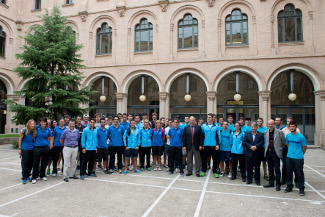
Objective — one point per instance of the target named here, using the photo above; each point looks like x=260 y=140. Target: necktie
x=192 y=132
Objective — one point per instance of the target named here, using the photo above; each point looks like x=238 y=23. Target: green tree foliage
x=50 y=62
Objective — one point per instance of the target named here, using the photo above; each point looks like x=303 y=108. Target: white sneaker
x=221 y=174
x=44 y=178
x=230 y=175
x=155 y=169
x=34 y=181
x=176 y=170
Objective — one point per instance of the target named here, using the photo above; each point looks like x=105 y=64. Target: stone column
x=265 y=105
x=212 y=102
x=17 y=99
x=319 y=137
x=122 y=101
x=163 y=104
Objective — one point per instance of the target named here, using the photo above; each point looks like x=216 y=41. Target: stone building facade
x=265 y=49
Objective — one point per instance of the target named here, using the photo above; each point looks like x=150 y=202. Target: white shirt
x=166 y=133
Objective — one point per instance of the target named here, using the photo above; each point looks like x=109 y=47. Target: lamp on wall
x=103 y=97
x=187 y=97
x=142 y=98
x=292 y=96
x=237 y=96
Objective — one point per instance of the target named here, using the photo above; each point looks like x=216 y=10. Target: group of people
x=87 y=143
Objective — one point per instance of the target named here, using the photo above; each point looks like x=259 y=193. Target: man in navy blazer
x=253 y=143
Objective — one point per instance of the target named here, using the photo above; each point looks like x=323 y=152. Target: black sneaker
x=233 y=178
x=287 y=190
x=66 y=179
x=278 y=188
x=301 y=192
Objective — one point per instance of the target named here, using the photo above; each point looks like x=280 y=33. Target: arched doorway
x=150 y=91
x=247 y=106
x=302 y=110
x=107 y=107
x=197 y=106
x=3 y=107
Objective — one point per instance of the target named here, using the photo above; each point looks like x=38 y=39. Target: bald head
x=271 y=124
x=192 y=120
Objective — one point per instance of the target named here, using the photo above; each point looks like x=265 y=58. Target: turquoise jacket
x=237 y=143
x=210 y=136
x=131 y=140
x=146 y=137
x=89 y=139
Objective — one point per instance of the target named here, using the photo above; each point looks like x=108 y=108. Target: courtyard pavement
x=154 y=193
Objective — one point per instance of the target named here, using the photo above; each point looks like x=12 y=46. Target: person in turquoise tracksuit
x=237 y=153
x=225 y=148
x=262 y=129
x=131 y=141
x=89 y=143
x=145 y=149
x=210 y=140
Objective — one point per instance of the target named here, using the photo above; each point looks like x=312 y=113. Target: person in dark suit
x=191 y=144
x=253 y=143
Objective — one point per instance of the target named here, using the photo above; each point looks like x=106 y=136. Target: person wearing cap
x=69 y=140
x=85 y=121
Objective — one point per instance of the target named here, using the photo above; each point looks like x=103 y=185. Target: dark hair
x=175 y=119
x=210 y=114
x=102 y=119
x=293 y=123
x=72 y=120
x=52 y=124
x=66 y=116
x=132 y=121
x=78 y=117
x=248 y=119
x=279 y=117
x=162 y=118
x=92 y=119
x=238 y=124
x=115 y=117
x=230 y=116
x=222 y=118
x=241 y=118
x=125 y=114
x=201 y=118
x=61 y=119
x=144 y=114
x=137 y=115
x=260 y=119
x=154 y=114
x=110 y=117
x=43 y=119
x=119 y=114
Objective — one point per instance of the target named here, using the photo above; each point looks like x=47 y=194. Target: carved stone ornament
x=83 y=15
x=121 y=10
x=163 y=4
x=19 y=24
x=211 y=2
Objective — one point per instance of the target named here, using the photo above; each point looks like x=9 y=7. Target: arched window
x=104 y=40
x=290 y=24
x=143 y=36
x=2 y=42
x=236 y=28
x=188 y=35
